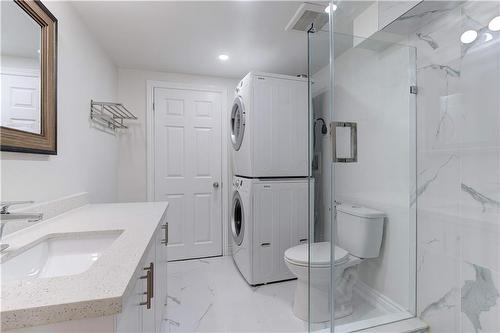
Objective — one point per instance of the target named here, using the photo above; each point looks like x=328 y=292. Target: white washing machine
x=268 y=216
x=269 y=121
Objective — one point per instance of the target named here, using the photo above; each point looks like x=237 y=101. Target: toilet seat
x=320 y=255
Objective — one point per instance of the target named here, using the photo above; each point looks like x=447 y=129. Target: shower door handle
x=353 y=150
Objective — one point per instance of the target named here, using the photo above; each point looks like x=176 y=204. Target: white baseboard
x=393 y=313
x=412 y=325
x=377 y=299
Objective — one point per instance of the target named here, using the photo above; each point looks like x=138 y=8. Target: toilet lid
x=320 y=254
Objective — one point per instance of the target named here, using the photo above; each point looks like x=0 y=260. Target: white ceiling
x=187 y=37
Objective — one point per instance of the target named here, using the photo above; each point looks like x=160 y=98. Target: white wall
x=372 y=89
x=132 y=92
x=87 y=158
x=321 y=93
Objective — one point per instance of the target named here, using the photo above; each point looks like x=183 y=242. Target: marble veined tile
x=480 y=243
x=480 y=101
x=439 y=40
x=480 y=185
x=209 y=295
x=439 y=100
x=438 y=299
x=480 y=299
x=438 y=233
x=438 y=182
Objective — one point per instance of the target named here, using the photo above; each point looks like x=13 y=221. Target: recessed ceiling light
x=223 y=57
x=494 y=24
x=327 y=9
x=468 y=36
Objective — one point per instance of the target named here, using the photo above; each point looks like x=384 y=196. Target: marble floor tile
x=210 y=295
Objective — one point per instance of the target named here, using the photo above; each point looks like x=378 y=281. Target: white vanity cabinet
x=140 y=314
x=136 y=316
x=130 y=319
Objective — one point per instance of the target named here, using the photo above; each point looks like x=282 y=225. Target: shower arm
x=324 y=129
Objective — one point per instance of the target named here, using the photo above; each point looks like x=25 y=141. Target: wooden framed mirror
x=28 y=68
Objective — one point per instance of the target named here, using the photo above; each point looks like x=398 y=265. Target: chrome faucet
x=6 y=216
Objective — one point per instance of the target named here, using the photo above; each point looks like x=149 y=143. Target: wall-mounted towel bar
x=110 y=114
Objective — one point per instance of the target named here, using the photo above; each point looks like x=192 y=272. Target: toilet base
x=343 y=292
x=320 y=304
x=320 y=293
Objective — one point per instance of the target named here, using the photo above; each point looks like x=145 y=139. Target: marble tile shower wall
x=458 y=191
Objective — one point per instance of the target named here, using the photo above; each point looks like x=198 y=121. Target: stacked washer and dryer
x=269 y=212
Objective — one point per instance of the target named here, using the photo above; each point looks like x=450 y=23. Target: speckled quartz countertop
x=100 y=290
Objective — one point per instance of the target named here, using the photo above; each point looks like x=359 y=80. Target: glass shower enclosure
x=362 y=228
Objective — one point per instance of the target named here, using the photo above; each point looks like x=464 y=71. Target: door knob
x=215 y=184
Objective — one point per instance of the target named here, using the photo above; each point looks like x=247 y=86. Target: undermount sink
x=58 y=255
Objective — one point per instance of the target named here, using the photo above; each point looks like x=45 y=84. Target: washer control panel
x=237 y=183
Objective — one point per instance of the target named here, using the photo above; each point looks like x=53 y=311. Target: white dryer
x=269 y=126
x=268 y=216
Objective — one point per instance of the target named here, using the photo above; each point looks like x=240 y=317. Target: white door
x=20 y=100
x=187 y=170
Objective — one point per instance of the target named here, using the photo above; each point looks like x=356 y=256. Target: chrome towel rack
x=110 y=114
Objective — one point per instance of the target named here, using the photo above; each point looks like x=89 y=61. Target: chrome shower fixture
x=324 y=129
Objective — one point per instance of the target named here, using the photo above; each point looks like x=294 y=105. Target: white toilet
x=359 y=236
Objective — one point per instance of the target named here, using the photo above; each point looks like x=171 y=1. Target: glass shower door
x=321 y=171
x=362 y=153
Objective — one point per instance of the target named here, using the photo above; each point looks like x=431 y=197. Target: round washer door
x=237 y=219
x=237 y=123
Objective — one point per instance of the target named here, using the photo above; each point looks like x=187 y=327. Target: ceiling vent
x=306 y=16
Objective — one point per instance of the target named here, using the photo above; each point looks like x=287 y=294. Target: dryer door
x=237 y=123
x=237 y=219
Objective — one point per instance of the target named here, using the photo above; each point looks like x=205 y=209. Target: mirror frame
x=46 y=142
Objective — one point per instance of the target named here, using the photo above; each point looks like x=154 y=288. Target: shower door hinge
x=413 y=90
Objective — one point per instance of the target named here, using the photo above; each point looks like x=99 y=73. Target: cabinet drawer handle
x=152 y=280
x=148 y=290
x=149 y=284
x=165 y=227
x=151 y=268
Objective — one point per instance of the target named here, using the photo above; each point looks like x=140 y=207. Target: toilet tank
x=359 y=230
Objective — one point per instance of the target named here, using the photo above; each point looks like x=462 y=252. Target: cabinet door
x=136 y=317
x=148 y=315
x=129 y=320
x=161 y=278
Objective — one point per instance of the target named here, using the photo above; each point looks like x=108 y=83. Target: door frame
x=150 y=147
